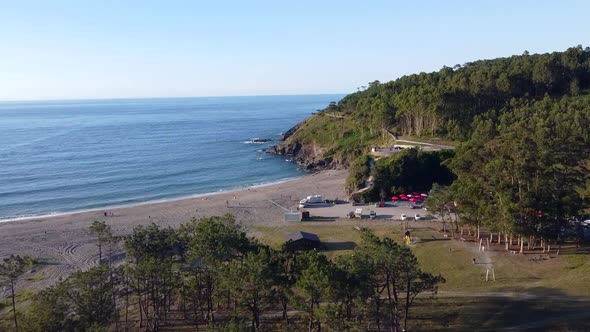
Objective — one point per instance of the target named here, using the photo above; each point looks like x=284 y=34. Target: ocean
x=64 y=156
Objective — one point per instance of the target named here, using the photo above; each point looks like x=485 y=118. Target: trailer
x=358 y=213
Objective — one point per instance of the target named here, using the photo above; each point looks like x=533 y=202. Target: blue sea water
x=62 y=156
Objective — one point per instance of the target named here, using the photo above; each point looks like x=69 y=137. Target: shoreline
x=164 y=200
x=63 y=243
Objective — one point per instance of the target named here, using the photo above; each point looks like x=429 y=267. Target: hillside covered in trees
x=441 y=104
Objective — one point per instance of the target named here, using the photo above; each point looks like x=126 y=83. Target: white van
x=358 y=213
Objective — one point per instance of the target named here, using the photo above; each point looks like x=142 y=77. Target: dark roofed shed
x=302 y=241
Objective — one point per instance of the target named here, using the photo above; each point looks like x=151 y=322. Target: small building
x=293 y=216
x=302 y=241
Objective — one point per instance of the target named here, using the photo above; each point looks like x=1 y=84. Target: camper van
x=314 y=199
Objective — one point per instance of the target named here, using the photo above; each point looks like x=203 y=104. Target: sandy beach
x=64 y=243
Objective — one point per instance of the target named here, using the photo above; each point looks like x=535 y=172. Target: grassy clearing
x=567 y=274
x=466 y=302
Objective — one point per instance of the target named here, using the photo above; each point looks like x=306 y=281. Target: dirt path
x=515 y=295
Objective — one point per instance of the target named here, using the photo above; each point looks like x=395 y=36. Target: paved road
x=383 y=213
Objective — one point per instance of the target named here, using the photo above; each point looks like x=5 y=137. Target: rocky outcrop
x=260 y=140
x=309 y=155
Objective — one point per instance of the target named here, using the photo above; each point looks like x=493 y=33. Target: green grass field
x=526 y=291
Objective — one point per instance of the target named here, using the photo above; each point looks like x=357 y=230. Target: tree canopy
x=444 y=103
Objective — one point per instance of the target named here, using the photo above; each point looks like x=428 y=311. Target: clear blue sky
x=112 y=49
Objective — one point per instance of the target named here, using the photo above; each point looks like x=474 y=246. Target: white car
x=417 y=216
x=404 y=217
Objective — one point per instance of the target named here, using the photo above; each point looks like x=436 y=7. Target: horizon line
x=169 y=97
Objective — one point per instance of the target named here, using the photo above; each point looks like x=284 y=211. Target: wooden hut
x=302 y=241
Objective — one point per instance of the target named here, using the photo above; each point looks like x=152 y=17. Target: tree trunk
x=140 y=312
x=310 y=320
x=507 y=246
x=13 y=305
x=407 y=304
x=256 y=316
x=378 y=314
x=478 y=235
x=285 y=317
x=521 y=245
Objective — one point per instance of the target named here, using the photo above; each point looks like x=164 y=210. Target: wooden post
x=493 y=275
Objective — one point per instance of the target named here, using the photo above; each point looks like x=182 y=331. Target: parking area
x=387 y=212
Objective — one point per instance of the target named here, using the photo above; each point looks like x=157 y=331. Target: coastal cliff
x=308 y=154
x=314 y=146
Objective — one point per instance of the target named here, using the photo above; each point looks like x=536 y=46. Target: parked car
x=404 y=217
x=417 y=216
x=372 y=215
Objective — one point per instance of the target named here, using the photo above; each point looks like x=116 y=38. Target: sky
x=135 y=49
